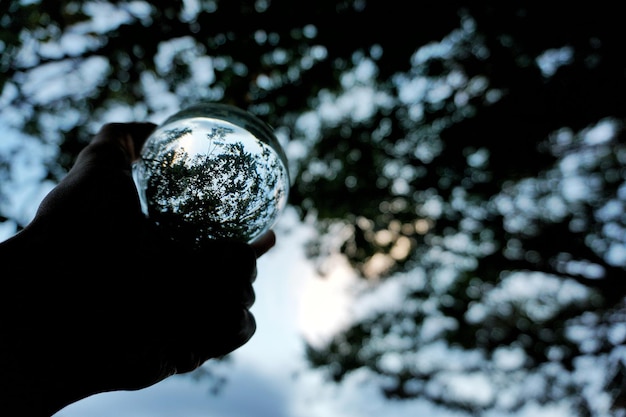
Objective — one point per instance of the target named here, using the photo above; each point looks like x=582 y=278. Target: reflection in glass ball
x=212 y=171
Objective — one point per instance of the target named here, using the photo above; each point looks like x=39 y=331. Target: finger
x=228 y=335
x=189 y=350
x=264 y=243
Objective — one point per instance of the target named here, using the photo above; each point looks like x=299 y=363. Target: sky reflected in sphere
x=211 y=172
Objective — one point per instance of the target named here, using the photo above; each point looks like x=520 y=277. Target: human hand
x=123 y=306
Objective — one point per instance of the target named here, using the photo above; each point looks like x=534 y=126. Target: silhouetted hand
x=96 y=298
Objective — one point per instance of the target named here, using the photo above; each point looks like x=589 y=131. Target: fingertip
x=130 y=136
x=264 y=243
x=140 y=131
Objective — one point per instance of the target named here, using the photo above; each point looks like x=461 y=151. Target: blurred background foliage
x=468 y=156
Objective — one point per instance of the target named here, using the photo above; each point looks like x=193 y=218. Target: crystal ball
x=212 y=171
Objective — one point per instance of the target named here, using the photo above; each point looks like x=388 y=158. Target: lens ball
x=212 y=171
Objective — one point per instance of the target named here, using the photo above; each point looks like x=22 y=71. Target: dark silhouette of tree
x=471 y=153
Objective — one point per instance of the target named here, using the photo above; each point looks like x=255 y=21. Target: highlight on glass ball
x=212 y=171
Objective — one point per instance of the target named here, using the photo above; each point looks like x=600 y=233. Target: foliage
x=468 y=155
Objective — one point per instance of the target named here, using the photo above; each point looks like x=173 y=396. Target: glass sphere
x=212 y=171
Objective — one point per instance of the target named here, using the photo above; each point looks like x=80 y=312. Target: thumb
x=130 y=137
